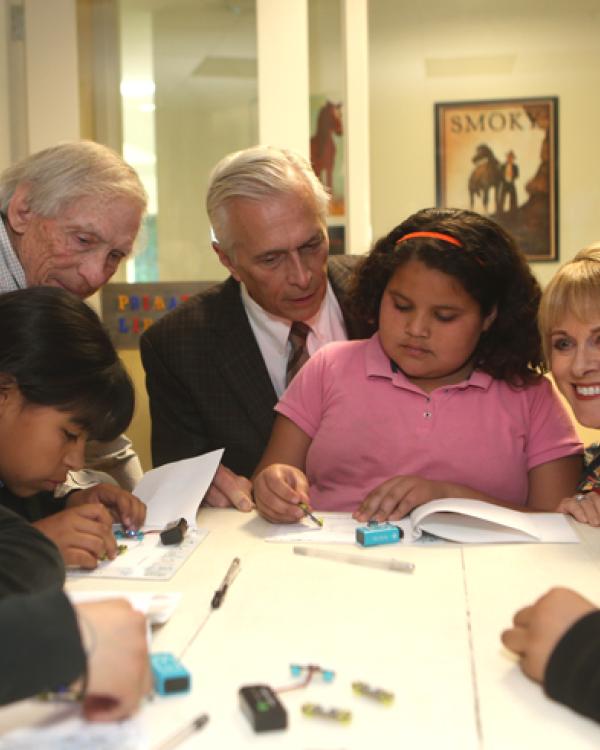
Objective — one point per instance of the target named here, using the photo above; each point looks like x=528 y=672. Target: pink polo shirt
x=368 y=424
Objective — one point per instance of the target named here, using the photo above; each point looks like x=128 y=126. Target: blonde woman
x=569 y=320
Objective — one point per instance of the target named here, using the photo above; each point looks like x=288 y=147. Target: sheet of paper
x=158 y=607
x=176 y=490
x=76 y=734
x=146 y=558
x=338 y=528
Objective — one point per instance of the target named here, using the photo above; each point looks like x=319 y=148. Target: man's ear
x=19 y=214
x=225 y=260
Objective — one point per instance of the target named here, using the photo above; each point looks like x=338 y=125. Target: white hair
x=259 y=172
x=61 y=174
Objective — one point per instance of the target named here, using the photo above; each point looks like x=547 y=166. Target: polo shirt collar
x=378 y=365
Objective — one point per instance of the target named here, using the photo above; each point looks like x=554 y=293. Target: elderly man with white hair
x=69 y=215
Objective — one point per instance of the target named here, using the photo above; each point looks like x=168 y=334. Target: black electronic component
x=174 y=532
x=263 y=709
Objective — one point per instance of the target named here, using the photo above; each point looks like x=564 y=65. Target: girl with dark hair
x=447 y=399
x=61 y=383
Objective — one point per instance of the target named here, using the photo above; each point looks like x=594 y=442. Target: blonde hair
x=257 y=173
x=574 y=290
x=62 y=174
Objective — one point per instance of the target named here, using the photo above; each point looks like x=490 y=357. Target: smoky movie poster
x=499 y=158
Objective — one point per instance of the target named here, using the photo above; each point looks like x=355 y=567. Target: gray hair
x=61 y=174
x=259 y=172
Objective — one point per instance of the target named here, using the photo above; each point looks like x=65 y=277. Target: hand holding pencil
x=281 y=494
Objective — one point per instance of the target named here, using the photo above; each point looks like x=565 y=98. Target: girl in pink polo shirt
x=447 y=399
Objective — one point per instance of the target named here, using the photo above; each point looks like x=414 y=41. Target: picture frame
x=499 y=157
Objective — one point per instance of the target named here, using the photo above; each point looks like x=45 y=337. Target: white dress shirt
x=271 y=333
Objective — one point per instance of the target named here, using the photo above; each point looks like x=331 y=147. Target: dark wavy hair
x=55 y=349
x=489 y=266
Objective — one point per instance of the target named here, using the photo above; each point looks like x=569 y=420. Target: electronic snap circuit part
x=174 y=532
x=335 y=714
x=129 y=534
x=382 y=696
x=375 y=533
x=262 y=708
x=169 y=674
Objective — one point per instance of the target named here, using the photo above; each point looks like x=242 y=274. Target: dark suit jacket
x=208 y=384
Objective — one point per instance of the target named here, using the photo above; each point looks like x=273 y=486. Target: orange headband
x=434 y=235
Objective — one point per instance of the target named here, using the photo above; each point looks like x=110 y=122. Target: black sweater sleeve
x=34 y=508
x=573 y=672
x=40 y=646
x=29 y=561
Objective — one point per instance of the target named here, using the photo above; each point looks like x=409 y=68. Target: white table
x=431 y=637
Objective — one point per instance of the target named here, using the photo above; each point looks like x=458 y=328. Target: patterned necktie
x=298 y=352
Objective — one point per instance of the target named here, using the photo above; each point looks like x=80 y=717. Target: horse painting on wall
x=326 y=149
x=500 y=158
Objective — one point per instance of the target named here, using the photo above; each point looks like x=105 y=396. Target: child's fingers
x=387 y=499
x=515 y=640
x=93 y=534
x=276 y=510
x=278 y=490
x=370 y=505
x=80 y=558
x=522 y=618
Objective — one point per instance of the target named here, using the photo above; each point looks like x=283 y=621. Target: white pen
x=383 y=563
x=183 y=734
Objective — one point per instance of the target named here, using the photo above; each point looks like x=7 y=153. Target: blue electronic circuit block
x=169 y=674
x=129 y=534
x=378 y=533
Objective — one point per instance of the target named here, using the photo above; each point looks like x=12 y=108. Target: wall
x=205 y=108
x=139 y=429
x=4 y=85
x=479 y=49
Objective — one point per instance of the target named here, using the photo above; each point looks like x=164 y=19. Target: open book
x=463 y=520
x=451 y=518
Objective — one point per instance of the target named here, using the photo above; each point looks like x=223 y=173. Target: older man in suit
x=216 y=366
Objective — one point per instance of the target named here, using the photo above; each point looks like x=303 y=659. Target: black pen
x=219 y=594
x=217 y=600
x=183 y=734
